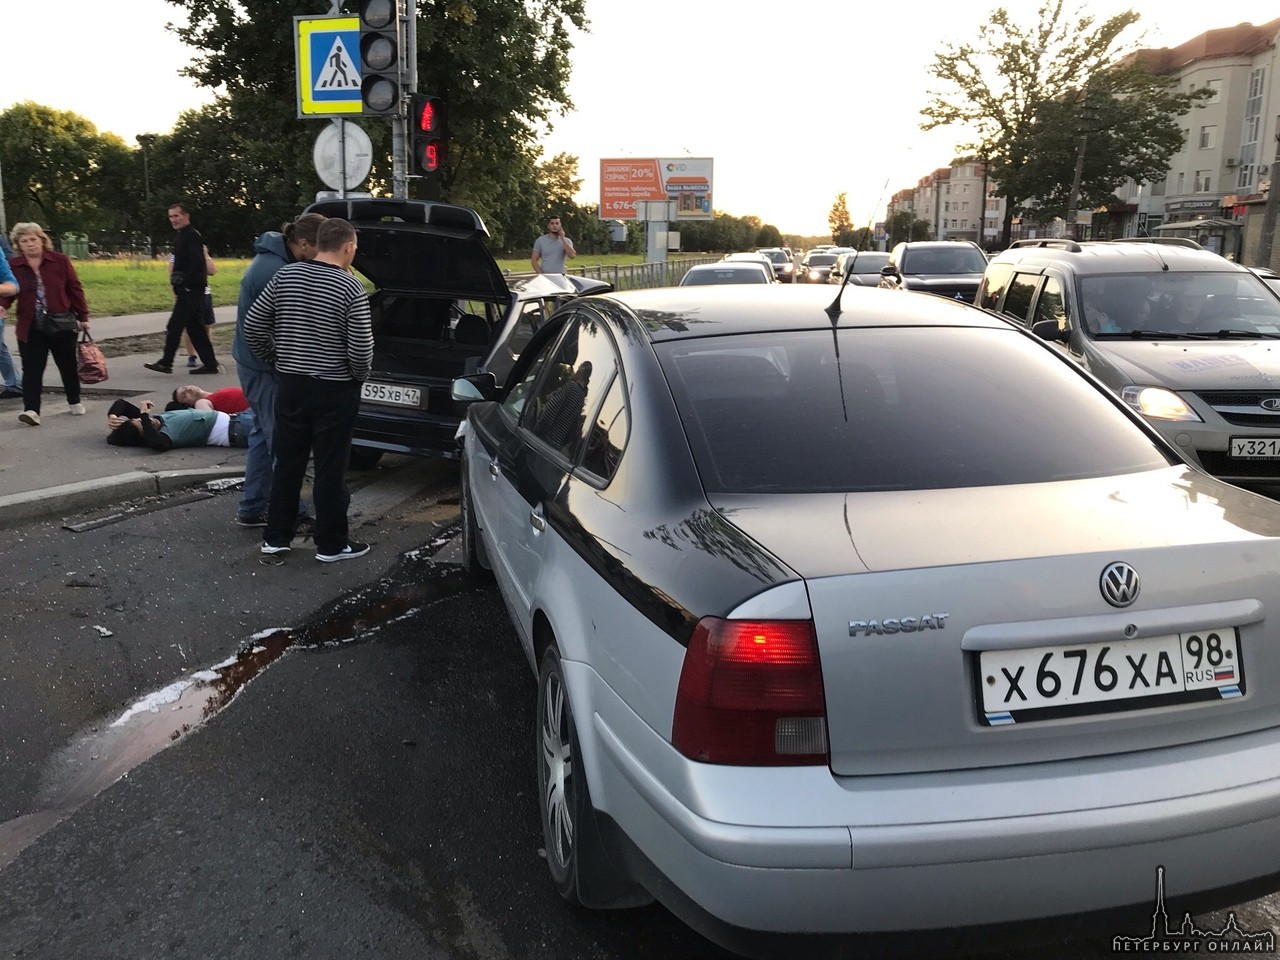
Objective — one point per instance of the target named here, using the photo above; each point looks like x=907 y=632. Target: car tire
x=475 y=563
x=563 y=795
x=364 y=458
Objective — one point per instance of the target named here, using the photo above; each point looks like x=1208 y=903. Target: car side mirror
x=1050 y=330
x=475 y=388
x=889 y=270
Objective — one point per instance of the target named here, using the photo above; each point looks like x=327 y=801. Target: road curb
x=70 y=498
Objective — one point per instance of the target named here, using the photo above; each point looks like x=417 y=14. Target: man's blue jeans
x=260 y=388
x=8 y=371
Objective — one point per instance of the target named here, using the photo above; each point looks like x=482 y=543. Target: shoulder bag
x=55 y=324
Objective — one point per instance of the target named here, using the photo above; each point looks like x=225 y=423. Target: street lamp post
x=1073 y=201
x=146 y=140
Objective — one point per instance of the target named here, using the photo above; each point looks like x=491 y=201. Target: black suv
x=441 y=309
x=947 y=268
x=1183 y=336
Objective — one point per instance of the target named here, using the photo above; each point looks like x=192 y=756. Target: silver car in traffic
x=870 y=616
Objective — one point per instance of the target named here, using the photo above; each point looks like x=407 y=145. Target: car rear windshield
x=869 y=262
x=723 y=275
x=960 y=258
x=894 y=409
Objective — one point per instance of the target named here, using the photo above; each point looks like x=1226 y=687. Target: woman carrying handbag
x=51 y=311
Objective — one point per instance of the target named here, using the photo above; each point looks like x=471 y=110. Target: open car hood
x=421 y=246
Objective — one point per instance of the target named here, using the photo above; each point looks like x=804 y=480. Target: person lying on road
x=130 y=426
x=226 y=400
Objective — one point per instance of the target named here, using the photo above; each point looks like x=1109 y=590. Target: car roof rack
x=1063 y=242
x=1169 y=241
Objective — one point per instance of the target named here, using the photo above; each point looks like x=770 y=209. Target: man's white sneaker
x=76 y=409
x=30 y=418
x=352 y=550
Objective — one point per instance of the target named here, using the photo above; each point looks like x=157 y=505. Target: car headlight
x=1158 y=403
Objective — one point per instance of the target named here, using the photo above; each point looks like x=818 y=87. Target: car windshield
x=893 y=409
x=820 y=259
x=957 y=258
x=777 y=256
x=1200 y=304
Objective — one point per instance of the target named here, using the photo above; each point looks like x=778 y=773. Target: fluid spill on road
x=105 y=753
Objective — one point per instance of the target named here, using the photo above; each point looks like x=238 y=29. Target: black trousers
x=313 y=417
x=35 y=355
x=188 y=315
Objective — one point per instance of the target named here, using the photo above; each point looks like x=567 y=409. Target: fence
x=635 y=276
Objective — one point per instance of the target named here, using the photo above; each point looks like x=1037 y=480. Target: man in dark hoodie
x=259 y=380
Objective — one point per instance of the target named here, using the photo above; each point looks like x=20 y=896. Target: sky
x=793 y=104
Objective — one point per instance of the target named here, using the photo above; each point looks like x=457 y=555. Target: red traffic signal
x=426 y=122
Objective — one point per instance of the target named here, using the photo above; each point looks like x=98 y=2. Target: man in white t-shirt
x=552 y=249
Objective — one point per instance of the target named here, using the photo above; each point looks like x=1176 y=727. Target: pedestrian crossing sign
x=327 y=51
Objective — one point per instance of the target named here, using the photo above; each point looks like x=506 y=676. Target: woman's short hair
x=22 y=229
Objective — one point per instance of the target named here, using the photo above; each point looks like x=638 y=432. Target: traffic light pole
x=409 y=75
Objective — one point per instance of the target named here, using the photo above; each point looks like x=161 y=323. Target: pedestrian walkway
x=65 y=465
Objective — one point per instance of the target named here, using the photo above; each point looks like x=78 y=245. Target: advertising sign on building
x=685 y=181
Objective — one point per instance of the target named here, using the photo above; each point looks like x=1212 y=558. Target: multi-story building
x=949 y=200
x=1217 y=184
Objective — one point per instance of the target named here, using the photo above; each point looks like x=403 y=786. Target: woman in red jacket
x=46 y=282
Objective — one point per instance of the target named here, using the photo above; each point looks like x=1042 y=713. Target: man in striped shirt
x=312 y=324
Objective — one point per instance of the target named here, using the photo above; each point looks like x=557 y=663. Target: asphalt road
x=358 y=785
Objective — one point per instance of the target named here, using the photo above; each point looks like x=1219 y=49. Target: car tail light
x=751 y=694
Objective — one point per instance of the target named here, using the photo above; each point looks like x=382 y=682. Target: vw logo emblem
x=1271 y=403
x=1119 y=584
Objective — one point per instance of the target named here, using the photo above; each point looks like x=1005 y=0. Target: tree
x=497 y=102
x=904 y=226
x=769 y=236
x=60 y=172
x=1021 y=88
x=1121 y=127
x=838 y=217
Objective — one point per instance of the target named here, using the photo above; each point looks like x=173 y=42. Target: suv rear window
x=902 y=409
x=962 y=258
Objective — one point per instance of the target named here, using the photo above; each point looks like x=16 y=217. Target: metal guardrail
x=635 y=276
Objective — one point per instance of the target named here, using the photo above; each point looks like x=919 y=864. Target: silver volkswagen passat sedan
x=842 y=630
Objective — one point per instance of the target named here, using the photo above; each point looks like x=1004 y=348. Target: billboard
x=685 y=181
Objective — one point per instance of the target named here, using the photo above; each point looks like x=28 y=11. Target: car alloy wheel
x=560 y=779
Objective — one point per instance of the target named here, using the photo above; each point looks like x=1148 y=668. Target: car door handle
x=536 y=519
x=493 y=470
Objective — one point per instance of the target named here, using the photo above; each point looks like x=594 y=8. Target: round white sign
x=343 y=155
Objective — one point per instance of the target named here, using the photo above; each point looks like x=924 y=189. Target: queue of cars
x=857 y=614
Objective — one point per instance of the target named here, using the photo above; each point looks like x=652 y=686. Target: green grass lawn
x=119 y=287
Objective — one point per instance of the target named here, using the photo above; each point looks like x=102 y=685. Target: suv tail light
x=751 y=694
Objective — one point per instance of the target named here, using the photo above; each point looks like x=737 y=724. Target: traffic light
x=426 y=124
x=381 y=57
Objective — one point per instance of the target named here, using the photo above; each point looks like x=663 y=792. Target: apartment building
x=1217 y=184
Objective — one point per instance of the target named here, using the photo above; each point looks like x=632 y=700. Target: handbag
x=91 y=363
x=55 y=324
